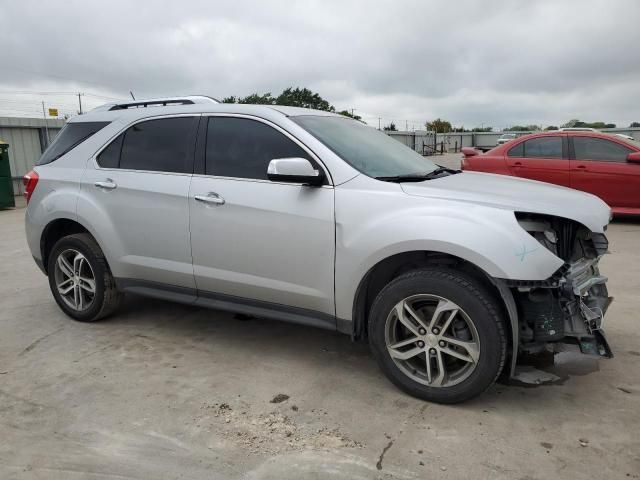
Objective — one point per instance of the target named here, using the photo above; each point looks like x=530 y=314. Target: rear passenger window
x=162 y=145
x=543 y=147
x=110 y=156
x=517 y=151
x=71 y=135
x=599 y=149
x=243 y=148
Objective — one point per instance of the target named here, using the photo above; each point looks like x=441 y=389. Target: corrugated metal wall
x=27 y=140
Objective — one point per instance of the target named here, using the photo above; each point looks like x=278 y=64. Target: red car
x=606 y=165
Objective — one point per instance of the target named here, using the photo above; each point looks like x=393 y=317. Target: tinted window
x=590 y=148
x=163 y=145
x=517 y=151
x=238 y=147
x=110 y=156
x=543 y=147
x=71 y=135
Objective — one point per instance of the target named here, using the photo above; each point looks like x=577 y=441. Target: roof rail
x=169 y=101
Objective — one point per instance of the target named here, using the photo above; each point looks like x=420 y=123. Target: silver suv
x=309 y=217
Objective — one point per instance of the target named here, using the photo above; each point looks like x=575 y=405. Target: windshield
x=364 y=148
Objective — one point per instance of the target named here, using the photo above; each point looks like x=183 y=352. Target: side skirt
x=229 y=303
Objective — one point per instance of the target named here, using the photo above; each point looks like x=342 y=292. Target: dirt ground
x=165 y=391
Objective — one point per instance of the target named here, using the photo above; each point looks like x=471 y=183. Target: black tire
x=479 y=305
x=106 y=298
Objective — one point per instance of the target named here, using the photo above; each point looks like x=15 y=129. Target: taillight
x=30 y=181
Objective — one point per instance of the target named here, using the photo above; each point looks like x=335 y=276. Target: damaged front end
x=569 y=307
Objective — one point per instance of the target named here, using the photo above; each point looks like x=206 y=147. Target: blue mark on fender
x=524 y=252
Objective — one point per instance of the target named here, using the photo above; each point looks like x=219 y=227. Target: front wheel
x=438 y=335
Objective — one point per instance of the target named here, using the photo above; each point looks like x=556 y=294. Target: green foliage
x=482 y=129
x=439 y=126
x=635 y=125
x=293 y=97
x=522 y=128
x=305 y=98
x=347 y=113
x=390 y=128
x=575 y=123
x=551 y=127
x=254 y=99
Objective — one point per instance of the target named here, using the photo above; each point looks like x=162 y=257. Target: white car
x=313 y=218
x=506 y=137
x=626 y=137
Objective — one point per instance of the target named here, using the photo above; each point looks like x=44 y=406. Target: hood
x=517 y=194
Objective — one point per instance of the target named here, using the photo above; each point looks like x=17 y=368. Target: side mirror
x=633 y=157
x=294 y=170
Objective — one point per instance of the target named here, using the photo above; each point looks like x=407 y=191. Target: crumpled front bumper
x=586 y=300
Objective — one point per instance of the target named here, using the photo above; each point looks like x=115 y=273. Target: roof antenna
x=131 y=93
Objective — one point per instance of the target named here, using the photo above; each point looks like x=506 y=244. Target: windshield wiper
x=420 y=177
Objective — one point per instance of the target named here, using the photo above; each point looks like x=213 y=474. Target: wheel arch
x=395 y=265
x=54 y=231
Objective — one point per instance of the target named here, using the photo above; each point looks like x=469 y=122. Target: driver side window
x=243 y=148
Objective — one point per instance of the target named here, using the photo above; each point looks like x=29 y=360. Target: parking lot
x=167 y=391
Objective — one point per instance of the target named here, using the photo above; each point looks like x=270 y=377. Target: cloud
x=492 y=62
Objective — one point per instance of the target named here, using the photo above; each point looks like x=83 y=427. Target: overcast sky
x=487 y=62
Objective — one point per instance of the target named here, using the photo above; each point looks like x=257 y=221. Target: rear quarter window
x=517 y=151
x=71 y=135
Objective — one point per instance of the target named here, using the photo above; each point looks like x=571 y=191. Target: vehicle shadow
x=327 y=359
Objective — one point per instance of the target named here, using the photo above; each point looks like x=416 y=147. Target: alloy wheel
x=75 y=280
x=432 y=340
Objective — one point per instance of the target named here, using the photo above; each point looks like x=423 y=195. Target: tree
x=482 y=129
x=575 y=123
x=439 y=126
x=347 y=113
x=293 y=97
x=390 y=128
x=635 y=125
x=254 y=98
x=551 y=127
x=522 y=128
x=305 y=98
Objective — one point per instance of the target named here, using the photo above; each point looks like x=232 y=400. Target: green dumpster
x=6 y=184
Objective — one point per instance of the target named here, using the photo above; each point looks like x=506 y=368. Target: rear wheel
x=80 y=279
x=438 y=335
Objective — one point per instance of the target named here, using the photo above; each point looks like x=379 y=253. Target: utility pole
x=46 y=127
x=379 y=123
x=406 y=125
x=80 y=102
x=352 y=112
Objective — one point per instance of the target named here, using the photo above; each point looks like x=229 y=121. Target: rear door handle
x=581 y=167
x=108 y=184
x=517 y=164
x=210 y=197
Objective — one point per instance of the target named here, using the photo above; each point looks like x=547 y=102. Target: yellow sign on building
x=53 y=112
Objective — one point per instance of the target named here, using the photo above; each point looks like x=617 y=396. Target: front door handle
x=517 y=164
x=210 y=197
x=108 y=184
x=581 y=167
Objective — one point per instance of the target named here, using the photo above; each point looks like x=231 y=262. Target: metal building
x=27 y=139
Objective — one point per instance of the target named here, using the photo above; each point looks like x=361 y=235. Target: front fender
x=489 y=238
